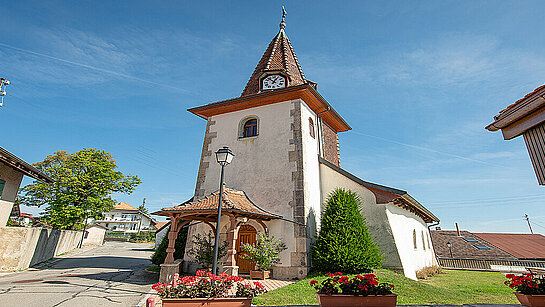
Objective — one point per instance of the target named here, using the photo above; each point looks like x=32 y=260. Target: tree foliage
x=84 y=180
x=160 y=253
x=344 y=243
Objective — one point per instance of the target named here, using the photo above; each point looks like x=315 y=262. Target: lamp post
x=84 y=226
x=223 y=156
x=449 y=245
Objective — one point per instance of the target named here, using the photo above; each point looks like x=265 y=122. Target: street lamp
x=449 y=245
x=223 y=156
x=84 y=226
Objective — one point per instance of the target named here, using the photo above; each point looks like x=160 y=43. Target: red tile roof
x=232 y=201
x=522 y=246
x=124 y=206
x=523 y=98
x=278 y=56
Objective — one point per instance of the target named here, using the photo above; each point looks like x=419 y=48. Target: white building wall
x=261 y=166
x=13 y=180
x=311 y=173
x=374 y=214
x=404 y=224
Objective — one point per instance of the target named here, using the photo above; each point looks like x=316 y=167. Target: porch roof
x=233 y=201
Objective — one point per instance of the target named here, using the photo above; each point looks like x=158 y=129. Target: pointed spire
x=279 y=56
x=283 y=22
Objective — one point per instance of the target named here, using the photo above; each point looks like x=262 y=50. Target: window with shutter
x=2 y=184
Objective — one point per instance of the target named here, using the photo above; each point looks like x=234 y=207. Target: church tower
x=278 y=129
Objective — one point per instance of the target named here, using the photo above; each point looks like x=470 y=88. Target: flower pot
x=207 y=302
x=260 y=274
x=531 y=300
x=338 y=300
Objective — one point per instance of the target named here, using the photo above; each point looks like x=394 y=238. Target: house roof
x=233 y=201
x=17 y=163
x=538 y=89
x=160 y=225
x=522 y=246
x=279 y=56
x=386 y=194
x=124 y=206
x=464 y=249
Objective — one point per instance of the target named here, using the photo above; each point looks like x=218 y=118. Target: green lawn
x=452 y=287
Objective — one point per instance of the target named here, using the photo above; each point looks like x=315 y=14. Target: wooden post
x=232 y=239
x=172 y=235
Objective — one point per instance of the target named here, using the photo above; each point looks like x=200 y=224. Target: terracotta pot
x=260 y=274
x=207 y=302
x=531 y=300
x=339 y=300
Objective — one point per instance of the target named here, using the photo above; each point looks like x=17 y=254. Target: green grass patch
x=452 y=287
x=154 y=268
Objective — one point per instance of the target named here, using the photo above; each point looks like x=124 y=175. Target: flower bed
x=361 y=290
x=208 y=289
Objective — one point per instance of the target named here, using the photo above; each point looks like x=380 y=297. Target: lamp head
x=449 y=244
x=224 y=156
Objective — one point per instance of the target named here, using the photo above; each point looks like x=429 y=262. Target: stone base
x=289 y=272
x=231 y=270
x=168 y=270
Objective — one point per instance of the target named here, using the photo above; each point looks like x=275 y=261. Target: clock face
x=273 y=82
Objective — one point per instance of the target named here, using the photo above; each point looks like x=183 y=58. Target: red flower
x=313 y=282
x=338 y=273
x=330 y=274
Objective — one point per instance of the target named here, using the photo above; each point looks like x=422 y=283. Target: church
x=284 y=136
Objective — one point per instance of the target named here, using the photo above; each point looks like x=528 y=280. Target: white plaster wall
x=261 y=165
x=159 y=235
x=311 y=173
x=13 y=180
x=95 y=236
x=374 y=214
x=403 y=223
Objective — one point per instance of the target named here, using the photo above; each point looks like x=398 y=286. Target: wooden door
x=246 y=234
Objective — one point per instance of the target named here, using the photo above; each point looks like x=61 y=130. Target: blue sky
x=417 y=80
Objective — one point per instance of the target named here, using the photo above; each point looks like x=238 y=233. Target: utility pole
x=141 y=215
x=528 y=221
x=3 y=84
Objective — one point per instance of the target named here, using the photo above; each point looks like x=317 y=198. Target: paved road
x=111 y=275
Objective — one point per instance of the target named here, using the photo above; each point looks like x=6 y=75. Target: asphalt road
x=110 y=275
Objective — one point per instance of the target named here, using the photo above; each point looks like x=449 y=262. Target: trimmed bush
x=160 y=253
x=344 y=243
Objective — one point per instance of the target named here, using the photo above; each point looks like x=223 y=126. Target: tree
x=158 y=257
x=344 y=243
x=84 y=180
x=142 y=208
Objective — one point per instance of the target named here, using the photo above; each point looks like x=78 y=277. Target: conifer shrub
x=158 y=257
x=344 y=243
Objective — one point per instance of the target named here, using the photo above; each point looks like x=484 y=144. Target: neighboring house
x=126 y=218
x=161 y=232
x=94 y=234
x=526 y=117
x=488 y=251
x=284 y=135
x=12 y=170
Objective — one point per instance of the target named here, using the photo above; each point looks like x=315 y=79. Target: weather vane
x=283 y=22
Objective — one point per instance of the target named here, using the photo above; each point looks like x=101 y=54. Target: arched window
x=250 y=128
x=311 y=126
x=414 y=239
x=423 y=241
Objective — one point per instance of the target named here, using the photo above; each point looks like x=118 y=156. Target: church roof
x=279 y=56
x=233 y=201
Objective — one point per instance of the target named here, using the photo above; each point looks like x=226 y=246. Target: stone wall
x=23 y=247
x=331 y=145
